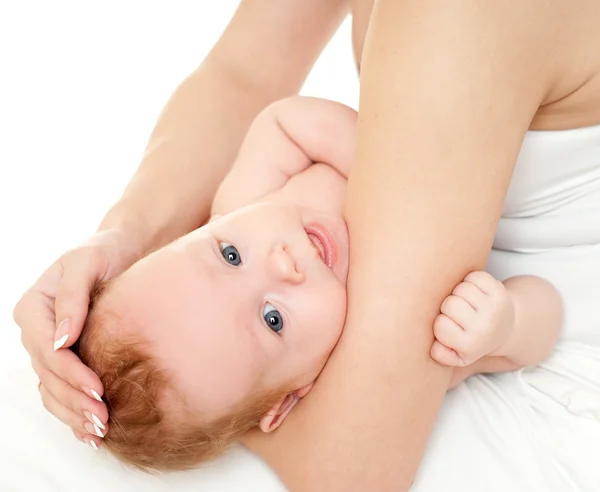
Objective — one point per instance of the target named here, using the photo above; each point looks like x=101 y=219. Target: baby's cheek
x=331 y=325
x=334 y=316
x=323 y=315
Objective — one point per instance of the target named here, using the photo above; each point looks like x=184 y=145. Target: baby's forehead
x=191 y=326
x=116 y=320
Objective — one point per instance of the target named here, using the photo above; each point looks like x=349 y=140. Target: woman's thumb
x=71 y=305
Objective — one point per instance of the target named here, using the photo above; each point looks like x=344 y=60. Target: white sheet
x=39 y=454
x=535 y=430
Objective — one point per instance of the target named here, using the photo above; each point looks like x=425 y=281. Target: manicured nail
x=99 y=433
x=94 y=419
x=93 y=429
x=91 y=392
x=93 y=446
x=98 y=422
x=60 y=342
x=62 y=333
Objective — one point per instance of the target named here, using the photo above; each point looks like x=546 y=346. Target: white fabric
x=47 y=458
x=535 y=430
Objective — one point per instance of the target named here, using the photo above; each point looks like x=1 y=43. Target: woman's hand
x=51 y=315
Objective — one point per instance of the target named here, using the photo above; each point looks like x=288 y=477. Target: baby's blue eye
x=273 y=318
x=231 y=254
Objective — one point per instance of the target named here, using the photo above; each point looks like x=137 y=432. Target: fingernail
x=91 y=392
x=93 y=429
x=93 y=445
x=98 y=422
x=94 y=419
x=62 y=333
x=60 y=342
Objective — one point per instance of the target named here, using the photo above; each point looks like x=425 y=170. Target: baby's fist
x=475 y=321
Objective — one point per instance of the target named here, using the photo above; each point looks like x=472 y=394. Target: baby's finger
x=459 y=310
x=484 y=281
x=86 y=410
x=92 y=441
x=445 y=356
x=448 y=333
x=471 y=293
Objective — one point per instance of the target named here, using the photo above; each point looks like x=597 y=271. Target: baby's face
x=253 y=301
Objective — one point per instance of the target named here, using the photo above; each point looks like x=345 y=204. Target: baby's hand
x=476 y=320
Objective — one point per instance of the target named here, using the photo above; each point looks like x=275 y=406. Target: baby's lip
x=323 y=241
x=318 y=246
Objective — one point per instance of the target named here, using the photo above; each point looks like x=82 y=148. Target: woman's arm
x=265 y=54
x=448 y=90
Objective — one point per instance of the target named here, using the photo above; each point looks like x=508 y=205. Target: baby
x=228 y=327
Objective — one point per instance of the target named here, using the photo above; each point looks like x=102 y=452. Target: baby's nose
x=283 y=265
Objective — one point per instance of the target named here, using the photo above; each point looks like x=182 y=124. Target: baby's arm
x=490 y=326
x=283 y=141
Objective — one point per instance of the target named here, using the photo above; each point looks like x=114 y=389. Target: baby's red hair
x=150 y=424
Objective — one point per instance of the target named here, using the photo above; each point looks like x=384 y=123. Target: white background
x=81 y=85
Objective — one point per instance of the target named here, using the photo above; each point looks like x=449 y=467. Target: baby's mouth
x=318 y=246
x=323 y=242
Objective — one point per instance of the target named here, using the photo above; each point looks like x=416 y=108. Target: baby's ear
x=279 y=411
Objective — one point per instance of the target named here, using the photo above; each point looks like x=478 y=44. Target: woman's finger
x=92 y=441
x=81 y=270
x=38 y=339
x=34 y=314
x=61 y=412
x=66 y=365
x=82 y=412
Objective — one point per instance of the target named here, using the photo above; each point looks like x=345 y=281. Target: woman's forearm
x=189 y=152
x=265 y=54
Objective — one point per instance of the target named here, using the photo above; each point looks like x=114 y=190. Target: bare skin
x=300 y=150
x=448 y=90
x=394 y=127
